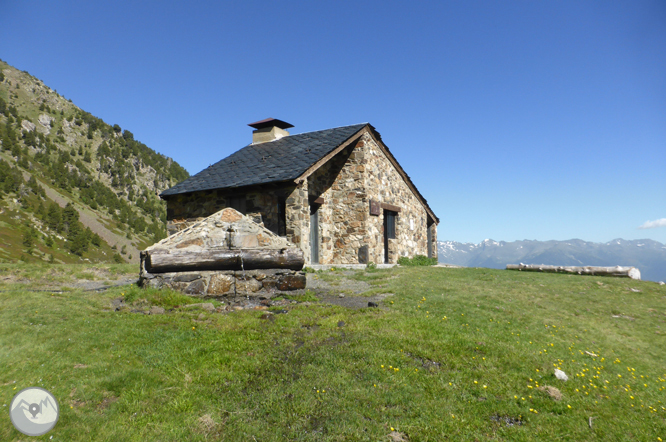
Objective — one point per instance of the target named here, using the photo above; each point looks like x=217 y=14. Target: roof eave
x=313 y=168
x=408 y=180
x=267 y=183
x=368 y=128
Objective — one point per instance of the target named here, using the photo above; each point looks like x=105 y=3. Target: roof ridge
x=305 y=133
x=330 y=128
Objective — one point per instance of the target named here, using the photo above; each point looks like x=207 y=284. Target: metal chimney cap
x=270 y=122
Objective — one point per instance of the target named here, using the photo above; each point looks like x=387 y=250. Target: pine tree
x=54 y=218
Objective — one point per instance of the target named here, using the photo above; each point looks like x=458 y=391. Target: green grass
x=449 y=357
x=417 y=260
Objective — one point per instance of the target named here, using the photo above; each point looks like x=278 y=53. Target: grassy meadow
x=454 y=354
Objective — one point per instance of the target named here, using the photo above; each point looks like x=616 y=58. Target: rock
x=267 y=315
x=623 y=317
x=204 y=305
x=118 y=304
x=291 y=282
x=156 y=310
x=635 y=290
x=196 y=288
x=341 y=295
x=45 y=120
x=27 y=125
x=662 y=282
x=187 y=277
x=372 y=304
x=341 y=323
x=191 y=242
x=249 y=285
x=562 y=376
x=220 y=284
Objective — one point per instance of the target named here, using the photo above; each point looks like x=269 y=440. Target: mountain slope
x=73 y=187
x=647 y=255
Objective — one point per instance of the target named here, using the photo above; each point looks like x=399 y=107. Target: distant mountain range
x=646 y=255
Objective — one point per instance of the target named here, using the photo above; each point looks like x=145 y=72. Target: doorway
x=430 y=245
x=314 y=234
x=389 y=232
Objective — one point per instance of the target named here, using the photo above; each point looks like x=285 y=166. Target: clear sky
x=515 y=119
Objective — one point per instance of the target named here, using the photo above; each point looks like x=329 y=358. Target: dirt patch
x=508 y=421
x=335 y=283
x=354 y=302
x=552 y=392
x=339 y=289
x=57 y=279
x=106 y=402
x=427 y=364
x=100 y=285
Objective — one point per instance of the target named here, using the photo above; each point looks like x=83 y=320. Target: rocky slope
x=54 y=154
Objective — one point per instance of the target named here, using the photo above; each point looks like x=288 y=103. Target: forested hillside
x=73 y=187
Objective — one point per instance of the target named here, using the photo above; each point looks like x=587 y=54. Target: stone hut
x=337 y=194
x=226 y=256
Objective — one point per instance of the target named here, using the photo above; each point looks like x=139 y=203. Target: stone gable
x=225 y=228
x=346 y=184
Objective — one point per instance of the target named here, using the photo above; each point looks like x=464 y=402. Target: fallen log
x=165 y=260
x=627 y=272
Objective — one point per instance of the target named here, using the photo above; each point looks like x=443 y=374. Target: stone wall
x=230 y=287
x=347 y=183
x=298 y=218
x=342 y=216
x=261 y=203
x=385 y=184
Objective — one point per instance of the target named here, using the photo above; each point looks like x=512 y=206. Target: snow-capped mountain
x=645 y=254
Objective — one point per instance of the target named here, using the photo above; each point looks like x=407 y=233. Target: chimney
x=269 y=129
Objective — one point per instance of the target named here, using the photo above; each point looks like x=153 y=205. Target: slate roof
x=275 y=161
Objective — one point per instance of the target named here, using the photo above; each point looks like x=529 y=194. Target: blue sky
x=515 y=119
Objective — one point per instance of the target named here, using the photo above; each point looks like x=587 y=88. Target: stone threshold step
x=346 y=266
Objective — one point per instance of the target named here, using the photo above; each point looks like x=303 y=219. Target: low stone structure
x=226 y=256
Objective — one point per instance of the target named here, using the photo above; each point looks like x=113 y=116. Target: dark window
x=282 y=216
x=390 y=223
x=238 y=203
